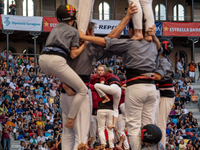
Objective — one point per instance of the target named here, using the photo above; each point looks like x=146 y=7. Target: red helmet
x=66 y=13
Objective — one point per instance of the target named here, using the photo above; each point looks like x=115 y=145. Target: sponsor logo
x=7 y=22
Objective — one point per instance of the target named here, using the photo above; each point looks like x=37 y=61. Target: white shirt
x=185 y=111
x=179 y=66
x=53 y=93
x=22 y=67
x=39 y=138
x=180 y=138
x=12 y=85
x=28 y=67
x=51 y=119
x=26 y=84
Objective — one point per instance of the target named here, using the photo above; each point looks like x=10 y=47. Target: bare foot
x=148 y=37
x=110 y=126
x=70 y=123
x=138 y=36
x=106 y=100
x=68 y=90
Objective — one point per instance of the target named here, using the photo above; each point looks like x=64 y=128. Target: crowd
x=30 y=108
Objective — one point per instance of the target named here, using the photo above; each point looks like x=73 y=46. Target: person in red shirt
x=112 y=87
x=6 y=137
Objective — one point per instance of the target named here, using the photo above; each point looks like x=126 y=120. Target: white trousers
x=93 y=129
x=84 y=12
x=156 y=108
x=120 y=129
x=113 y=90
x=139 y=105
x=105 y=116
x=144 y=6
x=57 y=65
x=165 y=107
x=71 y=138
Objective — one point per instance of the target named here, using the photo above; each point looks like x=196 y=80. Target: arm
x=76 y=51
x=157 y=76
x=115 y=33
x=155 y=39
x=96 y=40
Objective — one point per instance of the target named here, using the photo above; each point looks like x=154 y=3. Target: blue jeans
x=6 y=143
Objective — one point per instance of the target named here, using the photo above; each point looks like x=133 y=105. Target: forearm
x=157 y=76
x=96 y=40
x=156 y=40
x=115 y=33
x=76 y=52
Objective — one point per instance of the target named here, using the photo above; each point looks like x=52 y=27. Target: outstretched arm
x=115 y=33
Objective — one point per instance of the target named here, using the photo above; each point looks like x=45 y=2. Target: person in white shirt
x=185 y=110
x=26 y=84
x=22 y=66
x=52 y=92
x=29 y=65
x=41 y=137
x=180 y=67
x=13 y=84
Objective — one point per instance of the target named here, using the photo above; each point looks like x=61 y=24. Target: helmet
x=151 y=134
x=65 y=13
x=167 y=45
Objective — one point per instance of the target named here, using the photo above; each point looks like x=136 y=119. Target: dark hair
x=91 y=26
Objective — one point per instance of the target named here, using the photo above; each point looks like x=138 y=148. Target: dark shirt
x=6 y=135
x=48 y=127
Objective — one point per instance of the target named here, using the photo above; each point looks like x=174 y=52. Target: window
x=160 y=12
x=179 y=13
x=5 y=5
x=104 y=11
x=28 y=8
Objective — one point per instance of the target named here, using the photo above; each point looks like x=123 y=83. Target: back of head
x=151 y=134
x=108 y=69
x=167 y=45
x=65 y=13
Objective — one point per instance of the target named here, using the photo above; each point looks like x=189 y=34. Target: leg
x=101 y=120
x=134 y=106
x=120 y=129
x=84 y=14
x=156 y=108
x=4 y=144
x=82 y=123
x=58 y=67
x=164 y=110
x=148 y=14
x=149 y=105
x=137 y=21
x=8 y=144
x=101 y=90
x=68 y=136
x=109 y=121
x=93 y=129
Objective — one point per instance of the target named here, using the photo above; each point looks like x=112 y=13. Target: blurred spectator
x=191 y=68
x=12 y=9
x=6 y=137
x=177 y=76
x=180 y=67
x=41 y=137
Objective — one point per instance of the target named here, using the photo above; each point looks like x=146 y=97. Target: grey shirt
x=164 y=69
x=63 y=36
x=28 y=117
x=140 y=55
x=154 y=147
x=82 y=65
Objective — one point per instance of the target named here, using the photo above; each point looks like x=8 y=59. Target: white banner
x=105 y=26
x=13 y=22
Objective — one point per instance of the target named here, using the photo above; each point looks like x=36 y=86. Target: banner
x=49 y=23
x=105 y=26
x=181 y=29
x=158 y=29
x=21 y=23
